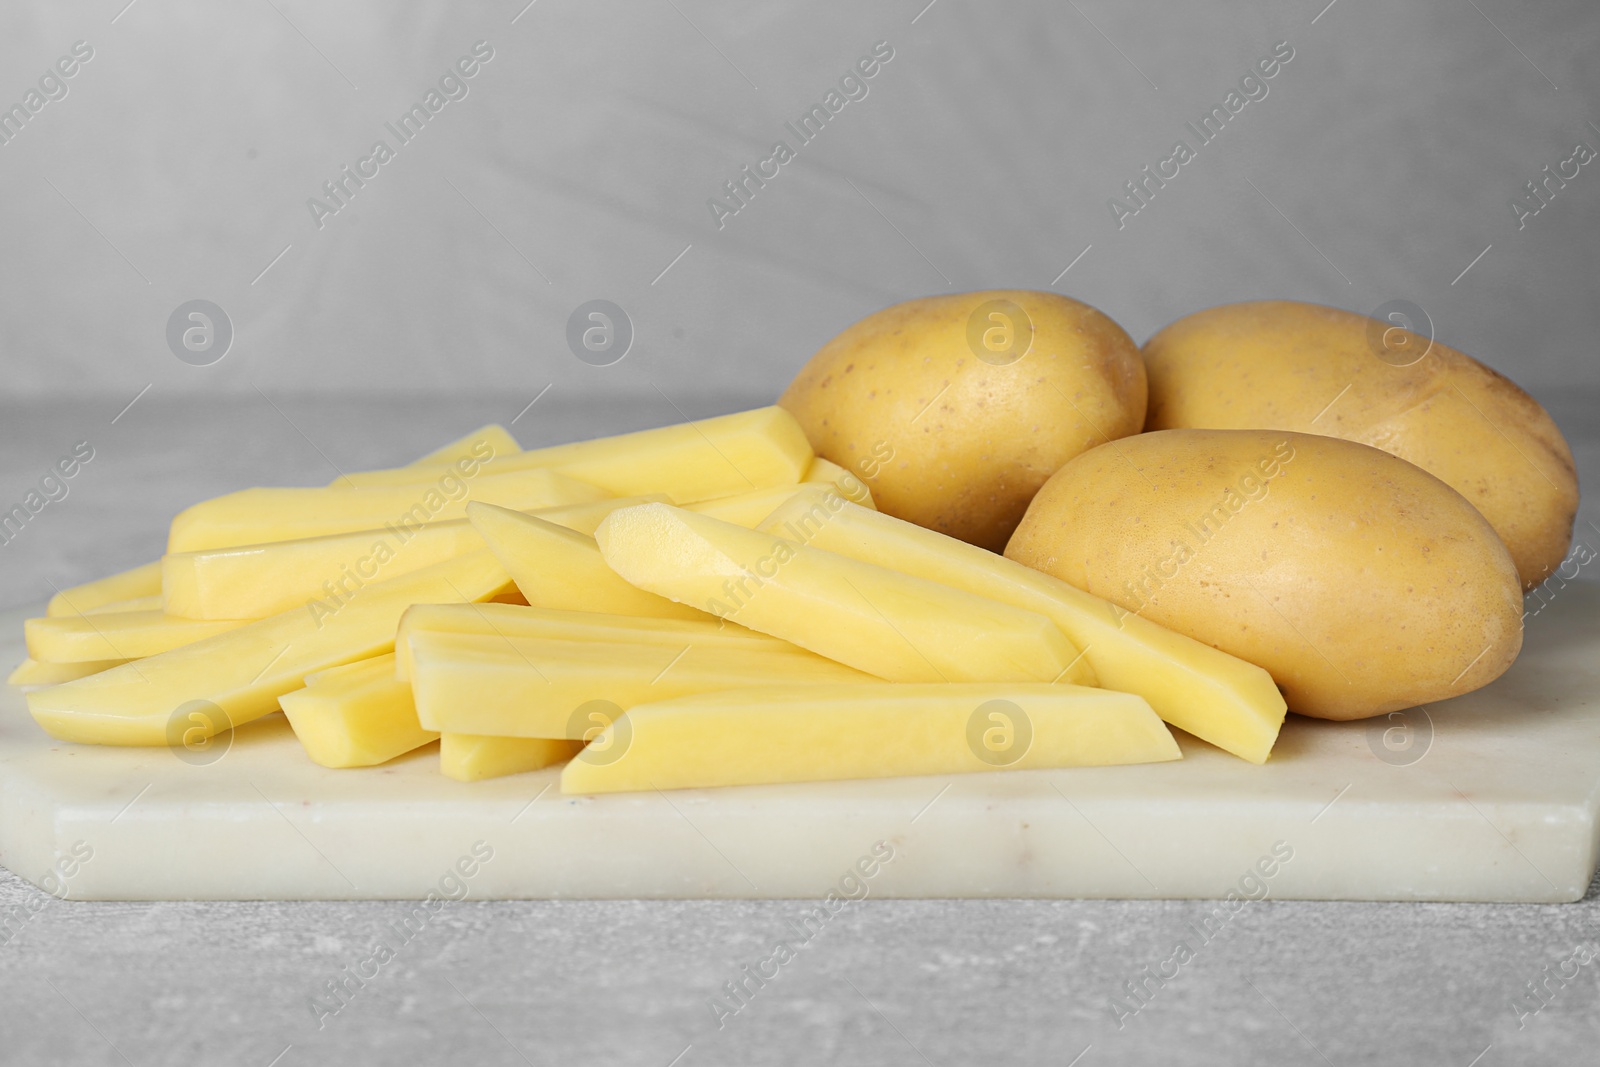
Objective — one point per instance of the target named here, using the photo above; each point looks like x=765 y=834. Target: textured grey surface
x=630 y=983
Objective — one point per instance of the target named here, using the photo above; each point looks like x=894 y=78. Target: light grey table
x=887 y=982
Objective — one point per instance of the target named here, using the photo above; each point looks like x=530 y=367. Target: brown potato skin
x=1360 y=582
x=1279 y=364
x=951 y=442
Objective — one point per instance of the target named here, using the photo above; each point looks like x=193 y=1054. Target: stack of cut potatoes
x=698 y=605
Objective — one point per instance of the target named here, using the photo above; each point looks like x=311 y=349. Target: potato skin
x=1360 y=582
x=1279 y=364
x=956 y=443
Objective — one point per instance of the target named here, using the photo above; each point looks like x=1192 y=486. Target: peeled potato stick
x=748 y=509
x=510 y=620
x=777 y=734
x=141 y=581
x=116 y=635
x=31 y=672
x=474 y=757
x=238 y=676
x=688 y=461
x=483 y=444
x=1215 y=696
x=881 y=621
x=257 y=516
x=254 y=581
x=531 y=687
x=560 y=568
x=358 y=715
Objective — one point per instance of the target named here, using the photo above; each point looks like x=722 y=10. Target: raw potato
x=507 y=620
x=243 y=672
x=119 y=635
x=257 y=516
x=1215 y=696
x=532 y=687
x=773 y=734
x=254 y=581
x=559 y=568
x=689 y=461
x=31 y=672
x=828 y=473
x=1362 y=583
x=355 y=715
x=954 y=412
x=482 y=444
x=884 y=622
x=474 y=757
x=1278 y=364
x=152 y=602
x=748 y=509
x=141 y=581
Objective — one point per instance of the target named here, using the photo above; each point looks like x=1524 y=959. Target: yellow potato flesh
x=771 y=734
x=257 y=516
x=1361 y=583
x=689 y=461
x=254 y=581
x=359 y=717
x=116 y=635
x=1212 y=695
x=555 y=567
x=510 y=620
x=474 y=757
x=529 y=687
x=32 y=672
x=245 y=671
x=826 y=472
x=884 y=622
x=141 y=581
x=481 y=444
x=152 y=602
x=748 y=509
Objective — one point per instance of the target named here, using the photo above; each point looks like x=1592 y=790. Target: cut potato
x=474 y=757
x=32 y=672
x=238 y=676
x=887 y=623
x=257 y=516
x=560 y=568
x=138 y=603
x=118 y=635
x=254 y=581
x=505 y=620
x=777 y=734
x=1215 y=696
x=482 y=444
x=827 y=472
x=528 y=687
x=357 y=715
x=144 y=580
x=748 y=509
x=689 y=461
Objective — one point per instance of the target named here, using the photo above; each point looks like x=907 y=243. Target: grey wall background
x=180 y=162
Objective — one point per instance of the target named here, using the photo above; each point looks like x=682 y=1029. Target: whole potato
x=955 y=409
x=1277 y=364
x=1361 y=583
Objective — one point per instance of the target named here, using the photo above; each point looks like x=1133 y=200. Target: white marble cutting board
x=1500 y=806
